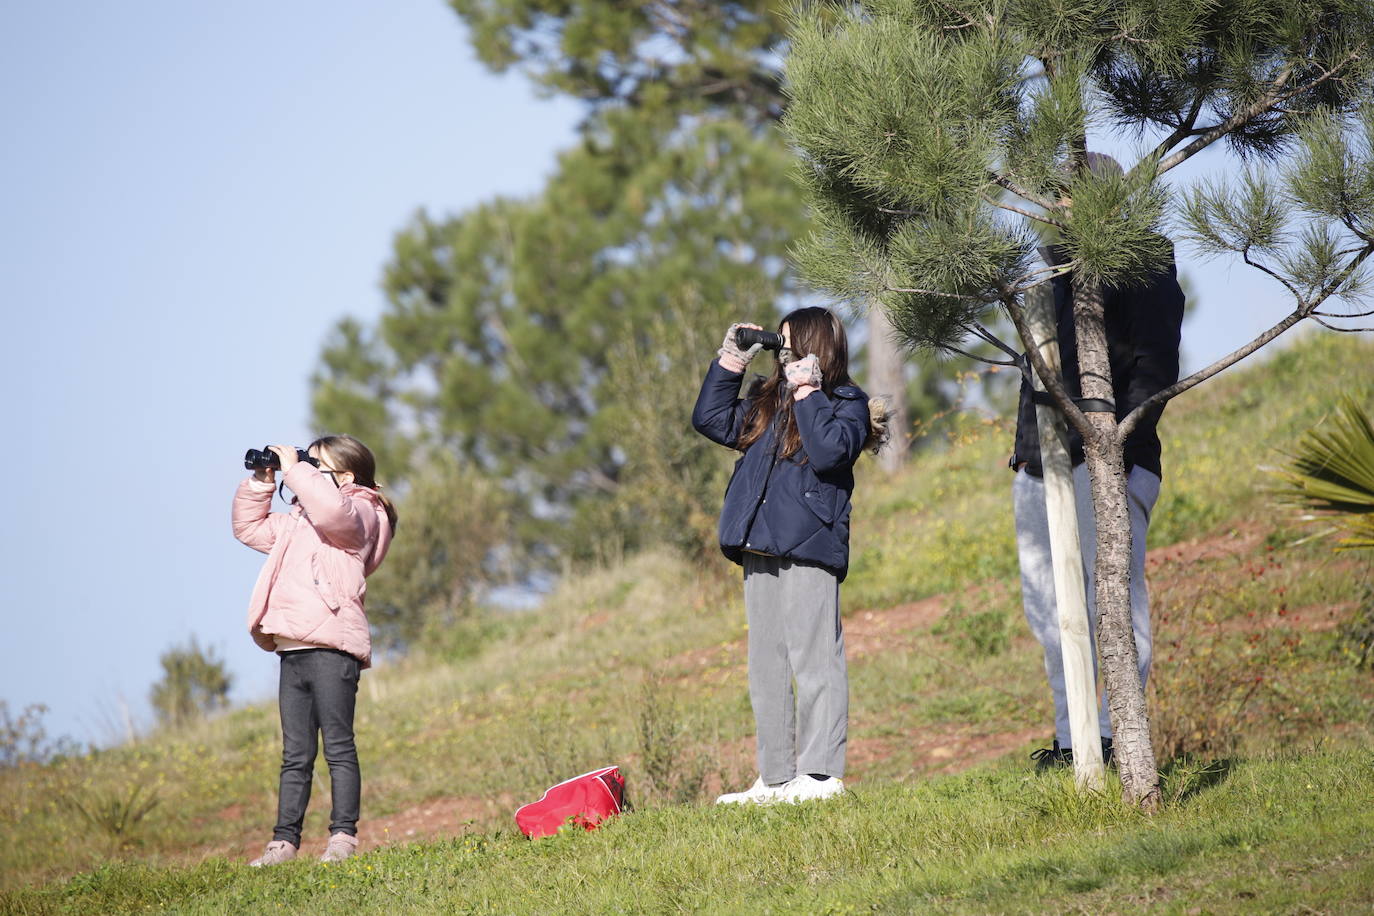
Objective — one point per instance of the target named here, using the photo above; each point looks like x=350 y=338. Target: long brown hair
x=812 y=330
x=348 y=454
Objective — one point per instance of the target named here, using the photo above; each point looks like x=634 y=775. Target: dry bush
x=1227 y=669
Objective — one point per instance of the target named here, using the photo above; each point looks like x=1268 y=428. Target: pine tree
x=507 y=326
x=944 y=139
x=511 y=329
x=683 y=56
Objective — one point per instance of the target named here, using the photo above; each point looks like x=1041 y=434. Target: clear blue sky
x=191 y=196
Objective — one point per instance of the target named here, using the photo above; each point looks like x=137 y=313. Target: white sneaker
x=804 y=788
x=277 y=852
x=759 y=793
x=341 y=846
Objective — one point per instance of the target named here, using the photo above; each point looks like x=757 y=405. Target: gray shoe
x=277 y=852
x=341 y=846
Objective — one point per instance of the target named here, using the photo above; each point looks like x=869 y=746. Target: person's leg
x=1087 y=536
x=815 y=648
x=298 y=732
x=770 y=674
x=336 y=689
x=1037 y=588
x=1142 y=492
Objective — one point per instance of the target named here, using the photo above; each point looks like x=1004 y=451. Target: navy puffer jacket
x=797 y=507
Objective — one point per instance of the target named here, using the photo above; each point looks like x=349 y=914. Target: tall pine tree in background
x=944 y=138
x=555 y=343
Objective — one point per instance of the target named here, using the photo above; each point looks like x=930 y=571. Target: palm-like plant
x=1332 y=472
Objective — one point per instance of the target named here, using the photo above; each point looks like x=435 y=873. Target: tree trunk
x=1135 y=757
x=887 y=378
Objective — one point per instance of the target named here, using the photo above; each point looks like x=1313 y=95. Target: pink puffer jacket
x=318 y=557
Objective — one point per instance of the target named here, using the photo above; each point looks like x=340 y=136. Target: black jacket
x=1143 y=327
x=796 y=507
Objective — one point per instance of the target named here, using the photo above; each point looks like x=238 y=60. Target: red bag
x=586 y=800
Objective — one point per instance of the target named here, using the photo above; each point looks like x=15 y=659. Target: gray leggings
x=795 y=633
x=317 y=692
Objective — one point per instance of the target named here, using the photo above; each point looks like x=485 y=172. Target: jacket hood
x=372 y=498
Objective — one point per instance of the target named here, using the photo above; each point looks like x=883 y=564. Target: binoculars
x=261 y=460
x=747 y=337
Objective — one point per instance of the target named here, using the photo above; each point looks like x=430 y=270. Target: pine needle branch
x=1347 y=315
x=1304 y=310
x=1020 y=284
x=1007 y=184
x=983 y=333
x=1132 y=419
x=1276 y=96
x=1333 y=327
x=981 y=359
x=1245 y=256
x=1318 y=80
x=1028 y=214
x=1239 y=119
x=1336 y=283
x=942 y=295
x=969 y=21
x=1184 y=129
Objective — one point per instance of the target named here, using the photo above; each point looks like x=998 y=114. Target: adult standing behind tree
x=1143 y=327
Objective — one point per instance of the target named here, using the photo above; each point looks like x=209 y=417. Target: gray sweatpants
x=1037 y=575
x=795 y=633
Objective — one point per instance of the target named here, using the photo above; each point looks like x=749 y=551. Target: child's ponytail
x=386 y=504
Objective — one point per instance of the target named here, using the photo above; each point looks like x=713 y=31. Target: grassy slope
x=642 y=665
x=1263 y=836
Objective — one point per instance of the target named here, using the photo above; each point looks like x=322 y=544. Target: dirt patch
x=944 y=750
x=232 y=813
x=1167 y=564
x=592 y=621
x=867 y=632
x=433 y=819
x=437 y=817
x=1314 y=618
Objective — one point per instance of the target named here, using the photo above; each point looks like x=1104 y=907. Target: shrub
x=194 y=683
x=1226 y=666
x=24 y=739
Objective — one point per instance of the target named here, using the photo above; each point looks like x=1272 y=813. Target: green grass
x=500 y=708
x=1263 y=835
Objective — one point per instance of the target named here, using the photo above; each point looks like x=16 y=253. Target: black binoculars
x=747 y=337
x=261 y=460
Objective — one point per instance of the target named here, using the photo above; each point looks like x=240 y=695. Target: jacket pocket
x=325 y=585
x=821 y=501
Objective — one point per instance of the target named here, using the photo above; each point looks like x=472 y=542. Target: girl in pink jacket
x=307 y=607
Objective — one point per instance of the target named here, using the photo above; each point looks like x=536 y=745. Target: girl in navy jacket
x=786 y=521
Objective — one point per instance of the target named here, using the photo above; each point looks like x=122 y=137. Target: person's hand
x=265 y=475
x=804 y=375
x=731 y=357
x=287 y=455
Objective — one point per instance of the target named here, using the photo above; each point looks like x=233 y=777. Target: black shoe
x=1049 y=758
